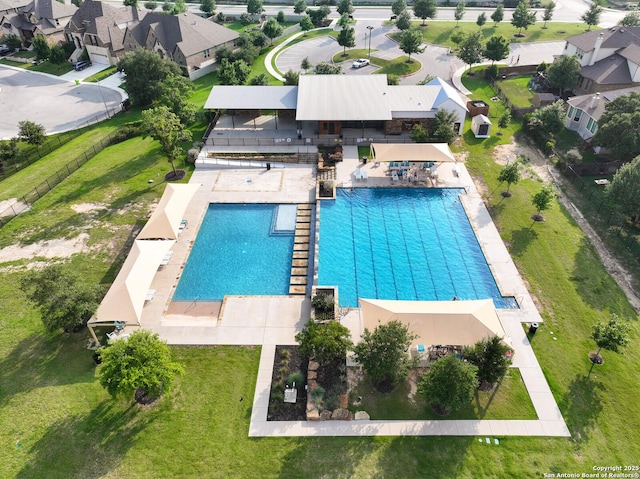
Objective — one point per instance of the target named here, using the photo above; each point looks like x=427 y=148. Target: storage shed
x=481 y=126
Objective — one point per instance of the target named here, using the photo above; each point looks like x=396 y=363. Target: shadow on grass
x=87 y=445
x=521 y=239
x=581 y=405
x=43 y=361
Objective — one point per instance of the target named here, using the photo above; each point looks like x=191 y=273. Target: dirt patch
x=87 y=207
x=58 y=248
x=535 y=164
x=412 y=380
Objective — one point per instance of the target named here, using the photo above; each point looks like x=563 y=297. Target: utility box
x=477 y=108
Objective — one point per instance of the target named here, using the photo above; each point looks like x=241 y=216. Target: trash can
x=97 y=358
x=533 y=328
x=268 y=166
x=364 y=160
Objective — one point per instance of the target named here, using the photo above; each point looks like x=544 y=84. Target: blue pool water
x=400 y=243
x=237 y=252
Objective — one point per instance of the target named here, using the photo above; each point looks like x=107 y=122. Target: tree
x=564 y=73
x=511 y=175
x=272 y=29
x=324 y=341
x=523 y=16
x=459 y=12
x=624 y=189
x=179 y=6
x=65 y=298
x=319 y=15
x=490 y=356
x=498 y=15
x=254 y=7
x=504 y=121
x=344 y=20
x=425 y=9
x=130 y=3
x=208 y=6
x=398 y=6
x=443 y=126
x=612 y=336
x=496 y=49
x=164 y=126
x=345 y=6
x=57 y=55
x=549 y=119
x=592 y=16
x=403 y=22
x=291 y=78
x=411 y=42
x=419 y=134
x=347 y=38
x=12 y=41
x=151 y=5
x=31 y=132
x=140 y=366
x=306 y=24
x=383 y=354
x=470 y=49
x=306 y=64
x=174 y=93
x=482 y=19
x=325 y=68
x=144 y=71
x=299 y=6
x=449 y=385
x=620 y=119
x=280 y=18
x=166 y=6
x=233 y=73
x=9 y=152
x=548 y=13
x=41 y=48
x=631 y=19
x=542 y=201
x=259 y=80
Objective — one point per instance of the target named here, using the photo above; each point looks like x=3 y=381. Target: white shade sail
x=439 y=152
x=125 y=299
x=436 y=322
x=165 y=220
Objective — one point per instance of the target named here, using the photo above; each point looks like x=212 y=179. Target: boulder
x=325 y=415
x=314 y=365
x=312 y=375
x=341 y=415
x=361 y=416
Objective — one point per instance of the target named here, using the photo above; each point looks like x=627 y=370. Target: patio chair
x=405 y=175
x=166 y=259
x=150 y=295
x=394 y=176
x=358 y=174
x=365 y=175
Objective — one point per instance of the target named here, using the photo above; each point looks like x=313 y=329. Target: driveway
x=57 y=104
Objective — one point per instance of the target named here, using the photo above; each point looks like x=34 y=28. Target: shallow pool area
x=406 y=244
x=240 y=249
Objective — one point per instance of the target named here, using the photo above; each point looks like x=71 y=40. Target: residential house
x=187 y=39
x=330 y=104
x=100 y=27
x=45 y=18
x=609 y=59
x=585 y=110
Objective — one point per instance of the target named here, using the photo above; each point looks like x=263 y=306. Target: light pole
x=369 y=55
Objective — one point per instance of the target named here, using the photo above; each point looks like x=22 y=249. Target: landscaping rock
x=361 y=416
x=312 y=375
x=341 y=415
x=314 y=365
x=325 y=415
x=312 y=413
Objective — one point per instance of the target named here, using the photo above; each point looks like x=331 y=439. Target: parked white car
x=360 y=62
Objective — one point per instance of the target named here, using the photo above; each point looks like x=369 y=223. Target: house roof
x=52 y=9
x=227 y=97
x=609 y=71
x=447 y=92
x=7 y=5
x=188 y=32
x=614 y=37
x=342 y=98
x=583 y=102
x=105 y=21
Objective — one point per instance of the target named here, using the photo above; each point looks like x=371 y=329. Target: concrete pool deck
x=270 y=321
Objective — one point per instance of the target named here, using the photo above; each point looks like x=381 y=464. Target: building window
x=207 y=53
x=577 y=115
x=579 y=53
x=592 y=125
x=571 y=111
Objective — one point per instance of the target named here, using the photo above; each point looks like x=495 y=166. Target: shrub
x=280 y=17
x=322 y=303
x=296 y=378
x=245 y=19
x=573 y=156
x=318 y=393
x=542 y=67
x=220 y=18
x=492 y=72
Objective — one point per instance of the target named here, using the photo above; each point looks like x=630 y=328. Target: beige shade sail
x=436 y=322
x=439 y=152
x=126 y=296
x=165 y=220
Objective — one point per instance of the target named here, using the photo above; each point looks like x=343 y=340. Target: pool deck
x=274 y=320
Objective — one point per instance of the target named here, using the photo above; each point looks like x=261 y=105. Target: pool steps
x=300 y=258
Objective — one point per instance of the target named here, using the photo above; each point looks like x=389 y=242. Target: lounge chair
x=183 y=225
x=394 y=176
x=365 y=175
x=358 y=174
x=166 y=259
x=150 y=295
x=456 y=170
x=405 y=176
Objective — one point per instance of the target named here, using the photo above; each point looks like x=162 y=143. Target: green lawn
x=56 y=421
x=398 y=66
x=439 y=33
x=102 y=74
x=517 y=91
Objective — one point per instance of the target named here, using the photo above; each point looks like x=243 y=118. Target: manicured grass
x=439 y=33
x=52 y=68
x=509 y=400
x=24 y=54
x=102 y=75
x=398 y=66
x=26 y=66
x=517 y=91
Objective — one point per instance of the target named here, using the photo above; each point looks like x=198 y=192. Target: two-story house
x=45 y=18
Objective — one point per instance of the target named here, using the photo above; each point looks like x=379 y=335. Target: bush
x=542 y=67
x=322 y=302
x=296 y=378
x=573 y=156
x=280 y=17
x=318 y=393
x=220 y=18
x=245 y=19
x=492 y=72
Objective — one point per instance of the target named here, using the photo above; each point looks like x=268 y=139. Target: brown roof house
x=46 y=18
x=188 y=40
x=100 y=27
x=610 y=59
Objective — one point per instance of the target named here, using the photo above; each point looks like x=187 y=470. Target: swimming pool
x=401 y=243
x=241 y=249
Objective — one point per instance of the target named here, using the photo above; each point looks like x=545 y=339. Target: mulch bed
x=283 y=366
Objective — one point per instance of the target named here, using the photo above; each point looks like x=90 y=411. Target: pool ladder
x=301 y=244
